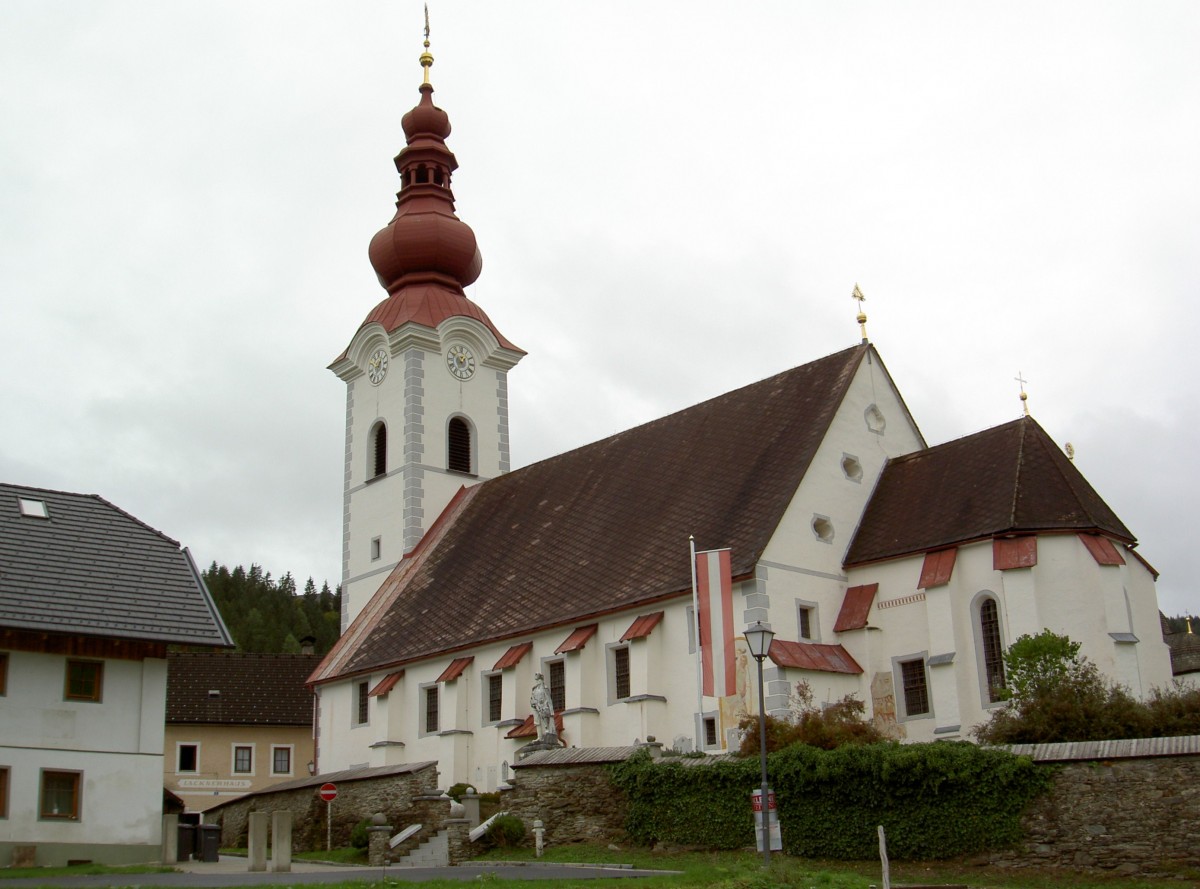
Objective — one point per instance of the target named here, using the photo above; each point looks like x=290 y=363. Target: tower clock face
x=460 y=361
x=377 y=366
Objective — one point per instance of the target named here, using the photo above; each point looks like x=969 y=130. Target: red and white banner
x=714 y=599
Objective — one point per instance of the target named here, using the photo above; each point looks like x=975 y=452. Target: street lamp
x=758 y=638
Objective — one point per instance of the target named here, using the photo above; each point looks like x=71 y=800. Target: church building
x=889 y=570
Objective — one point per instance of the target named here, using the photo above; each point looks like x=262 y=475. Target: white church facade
x=890 y=570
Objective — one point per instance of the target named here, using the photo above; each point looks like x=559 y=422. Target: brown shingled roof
x=604 y=527
x=253 y=689
x=1011 y=478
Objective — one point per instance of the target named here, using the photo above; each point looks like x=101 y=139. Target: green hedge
x=934 y=800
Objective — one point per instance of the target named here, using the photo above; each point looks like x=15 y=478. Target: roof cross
x=1024 y=397
x=862 y=316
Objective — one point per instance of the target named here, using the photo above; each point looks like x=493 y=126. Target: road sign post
x=328 y=793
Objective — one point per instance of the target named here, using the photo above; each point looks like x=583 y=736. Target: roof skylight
x=35 y=509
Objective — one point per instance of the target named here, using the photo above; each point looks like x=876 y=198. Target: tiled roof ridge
x=76 y=495
x=959 y=441
x=1022 y=430
x=835 y=397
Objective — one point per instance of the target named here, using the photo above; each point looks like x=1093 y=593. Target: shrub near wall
x=934 y=800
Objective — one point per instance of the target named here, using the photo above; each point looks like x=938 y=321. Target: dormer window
x=34 y=509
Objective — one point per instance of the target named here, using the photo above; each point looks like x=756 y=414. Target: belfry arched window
x=458 y=445
x=378 y=454
x=991 y=649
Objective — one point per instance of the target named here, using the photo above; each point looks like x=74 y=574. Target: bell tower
x=426 y=373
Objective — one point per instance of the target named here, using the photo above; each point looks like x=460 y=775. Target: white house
x=889 y=570
x=90 y=598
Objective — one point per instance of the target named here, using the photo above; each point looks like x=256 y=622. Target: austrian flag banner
x=714 y=598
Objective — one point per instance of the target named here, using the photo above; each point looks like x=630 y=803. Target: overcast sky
x=672 y=199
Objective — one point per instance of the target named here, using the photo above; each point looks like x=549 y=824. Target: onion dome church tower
x=426 y=373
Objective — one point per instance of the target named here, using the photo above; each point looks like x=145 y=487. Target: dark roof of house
x=604 y=527
x=89 y=568
x=1009 y=479
x=1185 y=652
x=252 y=689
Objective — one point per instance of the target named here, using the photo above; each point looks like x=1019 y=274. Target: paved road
x=230 y=871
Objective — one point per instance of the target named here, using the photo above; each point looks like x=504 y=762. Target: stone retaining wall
x=1123 y=814
x=576 y=803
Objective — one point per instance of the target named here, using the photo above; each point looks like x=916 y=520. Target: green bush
x=505 y=832
x=456 y=791
x=1054 y=694
x=826 y=727
x=359 y=838
x=934 y=800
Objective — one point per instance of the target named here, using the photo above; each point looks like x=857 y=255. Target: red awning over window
x=937 y=569
x=455 y=669
x=641 y=627
x=1102 y=549
x=513 y=656
x=855 y=607
x=386 y=684
x=813 y=656
x=578 y=638
x=1014 y=552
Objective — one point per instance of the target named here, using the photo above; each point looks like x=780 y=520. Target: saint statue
x=543 y=707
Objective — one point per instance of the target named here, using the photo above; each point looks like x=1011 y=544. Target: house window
x=376 y=548
x=187 y=756
x=362 y=703
x=281 y=760
x=620 y=671
x=495 y=692
x=60 y=796
x=992 y=648
x=378 y=450
x=3 y=791
x=709 y=737
x=458 y=439
x=432 y=703
x=243 y=759
x=915 y=687
x=558 y=685
x=34 y=509
x=84 y=680
x=3 y=673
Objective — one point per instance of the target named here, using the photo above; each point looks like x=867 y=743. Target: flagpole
x=696 y=628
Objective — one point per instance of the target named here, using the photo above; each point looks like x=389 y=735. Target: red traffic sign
x=328 y=792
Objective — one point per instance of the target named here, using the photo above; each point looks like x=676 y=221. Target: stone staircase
x=433 y=852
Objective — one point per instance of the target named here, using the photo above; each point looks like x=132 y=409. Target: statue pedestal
x=549 y=742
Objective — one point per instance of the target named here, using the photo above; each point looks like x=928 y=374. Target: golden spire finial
x=1024 y=397
x=862 y=316
x=1189 y=623
x=426 y=58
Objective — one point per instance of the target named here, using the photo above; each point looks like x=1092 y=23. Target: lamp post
x=758 y=638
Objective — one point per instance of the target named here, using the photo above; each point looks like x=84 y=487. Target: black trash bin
x=185 y=842
x=208 y=843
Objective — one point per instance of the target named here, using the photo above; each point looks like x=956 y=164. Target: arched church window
x=378 y=450
x=992 y=649
x=458 y=437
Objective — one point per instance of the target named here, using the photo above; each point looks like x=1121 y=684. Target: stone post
x=470 y=802
x=377 y=840
x=539 y=837
x=281 y=842
x=170 y=839
x=458 y=835
x=258 y=841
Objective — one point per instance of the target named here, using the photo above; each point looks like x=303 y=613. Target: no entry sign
x=328 y=792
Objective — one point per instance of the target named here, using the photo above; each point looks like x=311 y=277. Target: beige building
x=236 y=723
